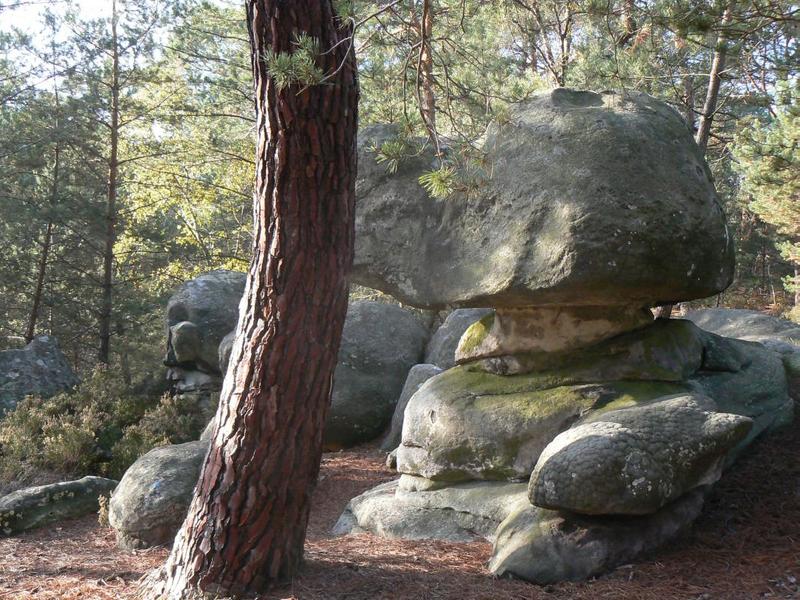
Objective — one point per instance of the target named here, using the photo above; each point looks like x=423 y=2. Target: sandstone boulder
x=545 y=546
x=38 y=369
x=380 y=344
x=199 y=315
x=589 y=199
x=418 y=375
x=41 y=505
x=442 y=346
x=468 y=424
x=151 y=501
x=635 y=461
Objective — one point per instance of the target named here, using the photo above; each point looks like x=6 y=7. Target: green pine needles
x=298 y=67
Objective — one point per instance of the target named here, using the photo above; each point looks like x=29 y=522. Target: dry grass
x=745 y=546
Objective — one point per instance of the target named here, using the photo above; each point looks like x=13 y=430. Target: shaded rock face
x=199 y=315
x=38 y=369
x=545 y=546
x=45 y=504
x=779 y=335
x=441 y=350
x=152 y=499
x=578 y=181
x=380 y=344
x=636 y=460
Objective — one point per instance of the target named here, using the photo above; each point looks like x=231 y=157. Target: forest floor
x=746 y=545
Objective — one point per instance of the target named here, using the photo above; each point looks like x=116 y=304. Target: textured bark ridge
x=246 y=524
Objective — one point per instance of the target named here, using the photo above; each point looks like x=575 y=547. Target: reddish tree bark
x=247 y=522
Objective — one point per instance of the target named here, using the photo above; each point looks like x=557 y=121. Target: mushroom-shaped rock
x=199 y=315
x=634 y=461
x=590 y=199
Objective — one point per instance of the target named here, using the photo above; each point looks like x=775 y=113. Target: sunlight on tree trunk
x=246 y=525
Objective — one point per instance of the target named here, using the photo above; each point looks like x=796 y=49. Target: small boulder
x=442 y=346
x=418 y=375
x=380 y=344
x=636 y=460
x=151 y=501
x=41 y=505
x=38 y=369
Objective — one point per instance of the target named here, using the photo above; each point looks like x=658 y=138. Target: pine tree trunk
x=111 y=201
x=425 y=78
x=714 y=82
x=247 y=521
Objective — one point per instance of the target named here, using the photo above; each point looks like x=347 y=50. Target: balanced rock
x=441 y=350
x=41 y=505
x=199 y=315
x=380 y=343
x=152 y=499
x=593 y=200
x=635 y=461
x=38 y=369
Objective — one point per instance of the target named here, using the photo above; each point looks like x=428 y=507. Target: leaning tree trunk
x=247 y=521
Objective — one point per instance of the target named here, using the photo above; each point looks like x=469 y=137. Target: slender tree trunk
x=688 y=101
x=111 y=200
x=714 y=81
x=246 y=524
x=425 y=78
x=30 y=330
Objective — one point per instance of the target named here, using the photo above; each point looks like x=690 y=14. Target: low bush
x=99 y=428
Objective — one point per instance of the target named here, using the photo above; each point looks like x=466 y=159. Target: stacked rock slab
x=574 y=432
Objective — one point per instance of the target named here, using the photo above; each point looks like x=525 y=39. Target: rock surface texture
x=151 y=501
x=45 y=504
x=38 y=369
x=441 y=350
x=380 y=344
x=575 y=432
x=589 y=196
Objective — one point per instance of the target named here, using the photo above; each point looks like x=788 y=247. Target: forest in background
x=127 y=145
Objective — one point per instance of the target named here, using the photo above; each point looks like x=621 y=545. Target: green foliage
x=296 y=67
x=99 y=429
x=439 y=183
x=393 y=152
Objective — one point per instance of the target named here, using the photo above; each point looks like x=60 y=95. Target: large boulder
x=199 y=315
x=636 y=460
x=151 y=501
x=41 y=505
x=442 y=346
x=468 y=424
x=380 y=344
x=418 y=375
x=593 y=199
x=38 y=369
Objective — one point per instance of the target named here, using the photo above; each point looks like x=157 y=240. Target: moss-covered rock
x=45 y=504
x=467 y=424
x=545 y=546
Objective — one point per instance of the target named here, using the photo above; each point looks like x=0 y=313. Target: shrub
x=100 y=428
